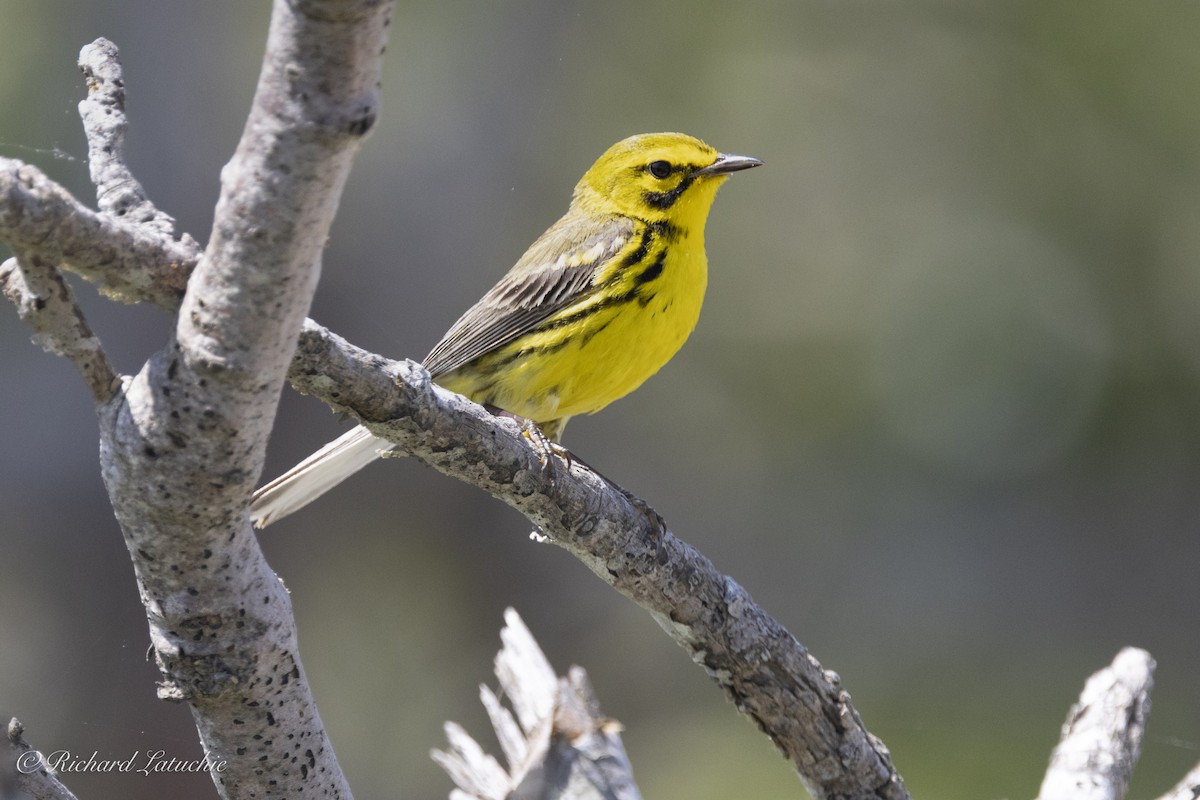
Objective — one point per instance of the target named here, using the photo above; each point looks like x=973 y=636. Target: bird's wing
x=557 y=270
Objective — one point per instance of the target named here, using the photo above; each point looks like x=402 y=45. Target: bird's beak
x=727 y=163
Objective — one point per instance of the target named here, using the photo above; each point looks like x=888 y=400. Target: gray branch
x=768 y=675
x=1102 y=737
x=23 y=769
x=45 y=301
x=127 y=262
x=118 y=193
x=558 y=744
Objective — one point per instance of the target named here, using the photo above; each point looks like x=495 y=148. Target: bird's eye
x=660 y=169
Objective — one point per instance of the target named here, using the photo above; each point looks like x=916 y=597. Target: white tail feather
x=316 y=475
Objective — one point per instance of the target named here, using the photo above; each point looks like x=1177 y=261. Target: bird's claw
x=546 y=449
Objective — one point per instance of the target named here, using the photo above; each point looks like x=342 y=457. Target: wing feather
x=557 y=270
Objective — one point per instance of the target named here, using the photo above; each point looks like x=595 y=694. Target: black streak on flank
x=643 y=247
x=662 y=230
x=653 y=271
x=562 y=322
x=588 y=334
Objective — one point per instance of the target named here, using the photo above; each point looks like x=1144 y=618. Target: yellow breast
x=603 y=347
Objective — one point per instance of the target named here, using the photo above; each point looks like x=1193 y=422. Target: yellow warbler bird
x=596 y=306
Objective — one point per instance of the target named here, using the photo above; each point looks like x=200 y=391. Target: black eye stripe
x=664 y=200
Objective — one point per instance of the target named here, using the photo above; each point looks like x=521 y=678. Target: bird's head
x=658 y=176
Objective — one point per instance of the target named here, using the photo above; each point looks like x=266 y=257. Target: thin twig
x=118 y=193
x=1102 y=737
x=45 y=302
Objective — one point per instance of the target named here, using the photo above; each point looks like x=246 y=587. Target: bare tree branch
x=769 y=675
x=1102 y=737
x=558 y=745
x=45 y=301
x=118 y=193
x=23 y=769
x=40 y=218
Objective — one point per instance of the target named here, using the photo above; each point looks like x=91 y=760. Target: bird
x=596 y=305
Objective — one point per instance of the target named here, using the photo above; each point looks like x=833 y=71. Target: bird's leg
x=543 y=445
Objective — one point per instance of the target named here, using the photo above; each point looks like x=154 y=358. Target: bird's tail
x=315 y=475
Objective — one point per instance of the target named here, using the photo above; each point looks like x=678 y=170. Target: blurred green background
x=939 y=416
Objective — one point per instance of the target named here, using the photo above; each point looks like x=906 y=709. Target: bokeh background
x=939 y=416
